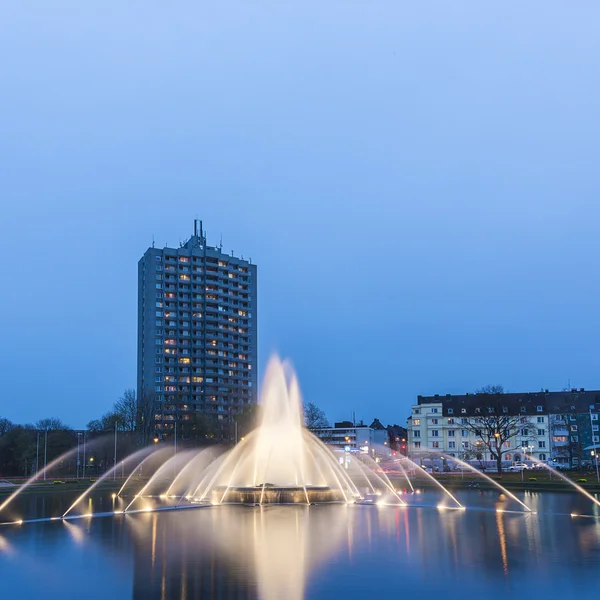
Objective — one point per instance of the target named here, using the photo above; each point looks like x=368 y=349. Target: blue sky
x=418 y=183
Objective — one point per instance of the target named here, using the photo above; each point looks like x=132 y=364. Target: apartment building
x=562 y=426
x=448 y=425
x=197 y=332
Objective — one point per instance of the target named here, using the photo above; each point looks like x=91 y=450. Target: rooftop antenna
x=354 y=418
x=232 y=253
x=221 y=243
x=153 y=240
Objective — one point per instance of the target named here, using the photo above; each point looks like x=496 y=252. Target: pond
x=322 y=551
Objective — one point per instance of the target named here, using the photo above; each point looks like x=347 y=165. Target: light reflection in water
x=502 y=540
x=295 y=552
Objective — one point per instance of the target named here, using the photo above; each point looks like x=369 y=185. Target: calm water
x=289 y=553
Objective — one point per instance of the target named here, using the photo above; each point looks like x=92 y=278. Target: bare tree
x=493 y=425
x=491 y=389
x=145 y=422
x=127 y=409
x=5 y=426
x=314 y=417
x=52 y=424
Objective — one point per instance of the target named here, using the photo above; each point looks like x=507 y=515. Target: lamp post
x=595 y=457
x=115 y=455
x=45 y=451
x=37 y=453
x=84 y=436
x=78 y=446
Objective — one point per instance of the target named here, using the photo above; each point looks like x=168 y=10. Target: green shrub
x=582 y=480
x=533 y=479
x=56 y=482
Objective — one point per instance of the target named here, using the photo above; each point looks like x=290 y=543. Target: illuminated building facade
x=197 y=332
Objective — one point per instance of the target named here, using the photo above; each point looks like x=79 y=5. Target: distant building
x=574 y=426
x=197 y=332
x=559 y=426
x=346 y=435
x=398 y=439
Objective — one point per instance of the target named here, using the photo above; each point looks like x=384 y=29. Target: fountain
x=280 y=462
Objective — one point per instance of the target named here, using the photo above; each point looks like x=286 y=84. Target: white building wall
x=430 y=431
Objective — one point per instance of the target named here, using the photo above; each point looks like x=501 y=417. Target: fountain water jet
x=564 y=478
x=488 y=478
x=434 y=480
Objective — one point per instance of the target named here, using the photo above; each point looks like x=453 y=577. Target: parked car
x=518 y=467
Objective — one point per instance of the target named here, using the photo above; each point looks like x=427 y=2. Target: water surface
x=294 y=552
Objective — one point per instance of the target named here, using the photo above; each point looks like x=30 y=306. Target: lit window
x=435 y=444
x=434 y=421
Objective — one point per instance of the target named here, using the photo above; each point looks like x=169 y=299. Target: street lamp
x=595 y=457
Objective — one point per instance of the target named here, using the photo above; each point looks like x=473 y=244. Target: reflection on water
x=294 y=552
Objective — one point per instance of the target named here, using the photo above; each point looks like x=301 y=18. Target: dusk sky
x=418 y=184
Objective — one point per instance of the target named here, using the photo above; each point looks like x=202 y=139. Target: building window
x=560 y=439
x=594 y=417
x=158 y=388
x=451 y=445
x=417 y=434
x=574 y=438
x=451 y=433
x=434 y=421
x=540 y=408
x=464 y=433
x=573 y=427
x=540 y=419
x=573 y=418
x=463 y=411
x=159 y=286
x=434 y=410
x=541 y=444
x=523 y=409
x=478 y=410
x=450 y=411
x=463 y=421
x=416 y=411
x=417 y=444
x=524 y=432
x=542 y=456
x=435 y=444
x=505 y=409
x=541 y=432
x=450 y=421
x=416 y=421
x=465 y=445
x=435 y=433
